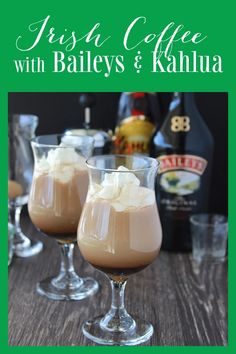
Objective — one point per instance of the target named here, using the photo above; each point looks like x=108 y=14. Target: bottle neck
x=135 y=104
x=183 y=101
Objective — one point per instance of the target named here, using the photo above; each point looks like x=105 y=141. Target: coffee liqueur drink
x=58 y=192
x=119 y=233
x=128 y=238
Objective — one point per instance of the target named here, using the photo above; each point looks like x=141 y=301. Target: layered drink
x=119 y=230
x=58 y=192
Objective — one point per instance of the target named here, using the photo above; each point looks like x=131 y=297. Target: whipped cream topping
x=61 y=163
x=122 y=190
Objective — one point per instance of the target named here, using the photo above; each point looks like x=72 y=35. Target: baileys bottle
x=184 y=147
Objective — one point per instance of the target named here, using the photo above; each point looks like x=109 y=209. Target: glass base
x=141 y=333
x=28 y=249
x=85 y=288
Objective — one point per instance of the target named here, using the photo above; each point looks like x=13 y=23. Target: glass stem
x=17 y=211
x=117 y=319
x=118 y=295
x=20 y=240
x=67 y=265
x=67 y=277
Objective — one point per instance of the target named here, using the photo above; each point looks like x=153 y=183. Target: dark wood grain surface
x=186 y=304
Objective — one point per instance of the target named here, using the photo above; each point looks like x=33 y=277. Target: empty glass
x=209 y=237
x=120 y=234
x=21 y=129
x=58 y=192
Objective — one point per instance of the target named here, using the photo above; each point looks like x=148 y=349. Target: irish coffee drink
x=58 y=192
x=120 y=234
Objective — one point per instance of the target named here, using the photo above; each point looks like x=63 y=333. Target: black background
x=59 y=111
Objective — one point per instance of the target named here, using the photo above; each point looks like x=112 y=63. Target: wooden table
x=187 y=305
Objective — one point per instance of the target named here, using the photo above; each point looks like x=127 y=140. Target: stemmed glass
x=58 y=192
x=120 y=234
x=21 y=130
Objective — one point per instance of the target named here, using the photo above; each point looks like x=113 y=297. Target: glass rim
x=34 y=141
x=17 y=115
x=207 y=223
x=155 y=161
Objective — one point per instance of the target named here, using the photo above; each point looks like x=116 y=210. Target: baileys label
x=180 y=174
